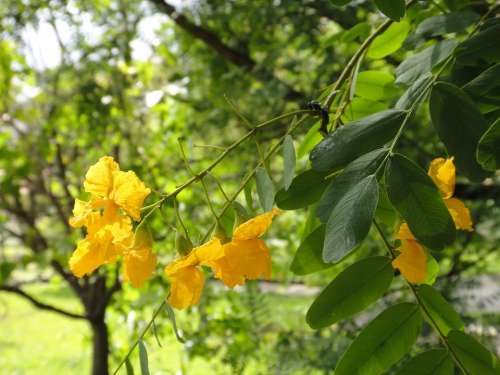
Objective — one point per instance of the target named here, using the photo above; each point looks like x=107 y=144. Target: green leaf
x=359 y=31
x=432 y=270
x=129 y=367
x=382 y=342
x=460 y=125
x=308 y=258
x=482 y=46
x=431 y=362
x=360 y=168
x=311 y=139
x=394 y=9
x=143 y=358
x=355 y=139
x=288 y=161
x=306 y=189
x=484 y=82
x=474 y=357
x=412 y=192
x=439 y=309
x=488 y=148
x=389 y=41
x=354 y=289
x=416 y=93
x=350 y=220
x=6 y=269
x=265 y=189
x=454 y=22
x=375 y=85
x=361 y=107
x=421 y=63
x=171 y=317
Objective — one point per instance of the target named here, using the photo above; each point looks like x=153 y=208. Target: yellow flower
x=139 y=262
x=186 y=278
x=442 y=172
x=246 y=256
x=114 y=195
x=412 y=261
x=107 y=184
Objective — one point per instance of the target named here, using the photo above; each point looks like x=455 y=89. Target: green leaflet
x=394 y=9
x=389 y=41
x=355 y=139
x=412 y=192
x=354 y=289
x=431 y=362
x=308 y=258
x=350 y=220
x=422 y=62
x=382 y=342
x=488 y=148
x=474 y=357
x=460 y=125
x=439 y=309
x=305 y=189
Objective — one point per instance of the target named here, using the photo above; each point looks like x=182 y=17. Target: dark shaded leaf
x=455 y=22
x=431 y=362
x=415 y=94
x=382 y=342
x=308 y=258
x=360 y=168
x=350 y=220
x=482 y=46
x=355 y=139
x=488 y=148
x=484 y=82
x=460 y=125
x=421 y=63
x=394 y=9
x=143 y=358
x=306 y=189
x=354 y=289
x=412 y=192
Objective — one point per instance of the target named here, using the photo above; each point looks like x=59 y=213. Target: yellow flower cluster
x=246 y=256
x=116 y=197
x=412 y=260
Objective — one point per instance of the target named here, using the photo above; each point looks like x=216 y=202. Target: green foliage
x=431 y=362
x=488 y=148
x=452 y=109
x=265 y=189
x=394 y=9
x=306 y=188
x=354 y=289
x=382 y=342
x=389 y=41
x=355 y=139
x=289 y=160
x=454 y=22
x=418 y=201
x=309 y=256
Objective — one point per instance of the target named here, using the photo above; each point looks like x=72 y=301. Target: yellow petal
x=186 y=287
x=412 y=262
x=442 y=172
x=404 y=233
x=209 y=251
x=255 y=227
x=242 y=260
x=81 y=212
x=99 y=177
x=138 y=265
x=129 y=192
x=459 y=213
x=85 y=259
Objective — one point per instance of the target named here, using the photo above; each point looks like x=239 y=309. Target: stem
x=421 y=305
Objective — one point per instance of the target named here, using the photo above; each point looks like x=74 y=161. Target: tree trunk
x=100 y=346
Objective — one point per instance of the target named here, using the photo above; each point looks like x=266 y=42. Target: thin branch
x=39 y=304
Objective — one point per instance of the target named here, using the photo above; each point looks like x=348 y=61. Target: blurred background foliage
x=81 y=79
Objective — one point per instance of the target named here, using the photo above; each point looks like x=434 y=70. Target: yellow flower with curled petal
x=114 y=195
x=139 y=262
x=246 y=256
x=187 y=280
x=442 y=172
x=412 y=260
